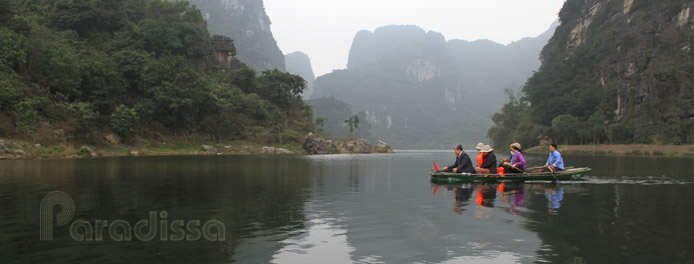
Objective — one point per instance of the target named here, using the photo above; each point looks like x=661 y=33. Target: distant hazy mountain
x=300 y=64
x=419 y=91
x=246 y=22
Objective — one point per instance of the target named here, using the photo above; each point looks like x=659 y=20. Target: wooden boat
x=570 y=174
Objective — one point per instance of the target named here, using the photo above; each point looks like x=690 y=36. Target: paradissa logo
x=121 y=230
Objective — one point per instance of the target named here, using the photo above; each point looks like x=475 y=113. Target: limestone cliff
x=225 y=53
x=418 y=90
x=246 y=22
x=621 y=71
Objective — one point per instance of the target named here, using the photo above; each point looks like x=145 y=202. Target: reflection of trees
x=617 y=224
x=251 y=196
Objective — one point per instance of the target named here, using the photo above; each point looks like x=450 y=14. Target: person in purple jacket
x=517 y=163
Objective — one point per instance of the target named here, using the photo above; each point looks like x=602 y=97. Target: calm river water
x=342 y=209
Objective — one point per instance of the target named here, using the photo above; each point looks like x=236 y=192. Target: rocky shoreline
x=113 y=147
x=316 y=145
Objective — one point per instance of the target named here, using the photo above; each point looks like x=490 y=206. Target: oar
x=555 y=176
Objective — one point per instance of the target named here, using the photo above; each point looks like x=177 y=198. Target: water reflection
x=355 y=209
x=512 y=193
x=554 y=196
x=512 y=196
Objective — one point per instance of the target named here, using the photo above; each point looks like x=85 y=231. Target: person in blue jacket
x=554 y=161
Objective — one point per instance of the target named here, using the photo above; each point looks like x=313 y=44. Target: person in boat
x=479 y=159
x=517 y=163
x=554 y=161
x=462 y=162
x=510 y=157
x=488 y=164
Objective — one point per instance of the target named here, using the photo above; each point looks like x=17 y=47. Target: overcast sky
x=324 y=29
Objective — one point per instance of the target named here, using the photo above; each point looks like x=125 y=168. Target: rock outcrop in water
x=316 y=145
x=274 y=151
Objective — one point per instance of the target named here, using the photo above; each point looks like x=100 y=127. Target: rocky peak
x=225 y=52
x=246 y=22
x=300 y=64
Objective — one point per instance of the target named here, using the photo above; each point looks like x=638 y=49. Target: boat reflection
x=511 y=196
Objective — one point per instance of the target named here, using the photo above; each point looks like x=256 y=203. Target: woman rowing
x=554 y=161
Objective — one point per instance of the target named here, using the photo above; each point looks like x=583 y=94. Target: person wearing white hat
x=488 y=164
x=478 y=158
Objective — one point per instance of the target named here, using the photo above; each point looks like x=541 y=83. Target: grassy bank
x=623 y=150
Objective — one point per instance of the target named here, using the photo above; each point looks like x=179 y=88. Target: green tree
x=177 y=91
x=124 y=120
x=352 y=122
x=11 y=52
x=564 y=127
x=282 y=89
x=27 y=115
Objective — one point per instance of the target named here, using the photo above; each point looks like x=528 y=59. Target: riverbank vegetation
x=73 y=72
x=604 y=80
x=621 y=150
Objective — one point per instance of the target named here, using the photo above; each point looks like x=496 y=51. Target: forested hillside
x=74 y=70
x=614 y=72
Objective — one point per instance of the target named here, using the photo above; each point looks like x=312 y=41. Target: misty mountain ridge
x=418 y=90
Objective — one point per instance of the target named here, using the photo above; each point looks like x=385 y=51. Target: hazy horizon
x=327 y=36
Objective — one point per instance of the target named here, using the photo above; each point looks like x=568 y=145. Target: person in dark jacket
x=462 y=162
x=488 y=161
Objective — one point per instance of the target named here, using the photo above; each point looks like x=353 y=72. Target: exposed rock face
x=272 y=150
x=135 y=153
x=383 y=147
x=225 y=53
x=112 y=139
x=359 y=146
x=634 y=56
x=208 y=149
x=246 y=22
x=300 y=64
x=3 y=148
x=316 y=145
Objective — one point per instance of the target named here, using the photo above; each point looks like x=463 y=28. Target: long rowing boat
x=570 y=174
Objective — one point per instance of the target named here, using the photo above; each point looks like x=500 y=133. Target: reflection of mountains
x=374 y=212
x=255 y=198
x=617 y=223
